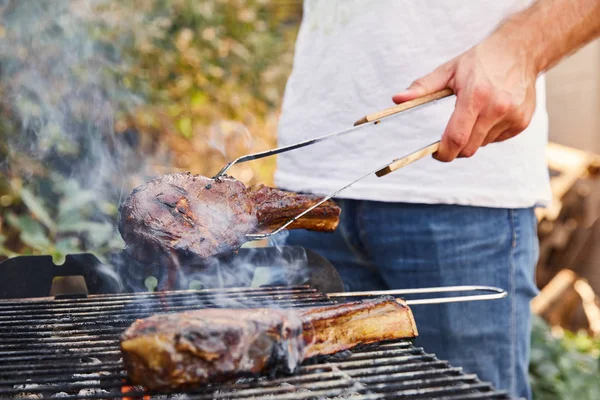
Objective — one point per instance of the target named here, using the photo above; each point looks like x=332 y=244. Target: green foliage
x=212 y=72
x=77 y=221
x=566 y=368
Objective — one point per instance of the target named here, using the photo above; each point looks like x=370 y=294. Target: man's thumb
x=437 y=80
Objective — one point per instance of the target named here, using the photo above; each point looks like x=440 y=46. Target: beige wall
x=573 y=99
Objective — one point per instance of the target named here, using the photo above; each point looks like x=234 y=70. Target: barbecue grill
x=68 y=347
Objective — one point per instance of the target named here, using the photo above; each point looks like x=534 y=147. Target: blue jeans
x=396 y=245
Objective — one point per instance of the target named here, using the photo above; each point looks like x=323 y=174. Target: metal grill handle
x=493 y=293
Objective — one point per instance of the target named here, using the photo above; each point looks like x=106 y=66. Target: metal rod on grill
x=493 y=294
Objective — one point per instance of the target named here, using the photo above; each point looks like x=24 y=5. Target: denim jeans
x=396 y=245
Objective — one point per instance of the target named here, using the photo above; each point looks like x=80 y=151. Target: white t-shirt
x=351 y=57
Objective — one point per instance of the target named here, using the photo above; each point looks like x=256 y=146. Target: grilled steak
x=169 y=351
x=193 y=215
x=173 y=351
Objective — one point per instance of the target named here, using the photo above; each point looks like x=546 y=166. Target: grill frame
x=44 y=340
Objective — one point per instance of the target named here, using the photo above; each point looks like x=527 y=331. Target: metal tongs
x=374 y=118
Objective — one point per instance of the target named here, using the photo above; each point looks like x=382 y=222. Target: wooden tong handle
x=412 y=157
x=404 y=106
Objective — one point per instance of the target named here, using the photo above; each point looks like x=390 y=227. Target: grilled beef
x=331 y=329
x=172 y=351
x=192 y=215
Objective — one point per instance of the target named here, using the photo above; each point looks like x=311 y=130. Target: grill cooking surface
x=69 y=348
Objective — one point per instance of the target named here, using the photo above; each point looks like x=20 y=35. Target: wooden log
x=552 y=291
x=590 y=305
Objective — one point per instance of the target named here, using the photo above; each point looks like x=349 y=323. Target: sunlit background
x=96 y=96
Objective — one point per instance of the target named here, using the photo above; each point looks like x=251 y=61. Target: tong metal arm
x=374 y=118
x=493 y=293
x=268 y=153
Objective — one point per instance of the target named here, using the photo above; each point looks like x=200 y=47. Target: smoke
x=63 y=109
x=61 y=97
x=250 y=267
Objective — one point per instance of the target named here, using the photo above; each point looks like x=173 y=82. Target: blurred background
x=97 y=96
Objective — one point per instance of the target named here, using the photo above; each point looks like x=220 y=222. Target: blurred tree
x=214 y=74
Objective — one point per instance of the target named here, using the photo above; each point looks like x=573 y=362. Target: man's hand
x=495 y=91
x=494 y=82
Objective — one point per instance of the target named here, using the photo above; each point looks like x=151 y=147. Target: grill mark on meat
x=178 y=210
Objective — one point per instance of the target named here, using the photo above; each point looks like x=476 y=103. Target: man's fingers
x=405 y=96
x=489 y=125
x=458 y=132
x=495 y=132
x=436 y=80
x=507 y=134
x=481 y=130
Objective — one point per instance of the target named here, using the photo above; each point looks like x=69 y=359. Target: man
x=434 y=224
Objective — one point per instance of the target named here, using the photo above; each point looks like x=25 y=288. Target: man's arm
x=494 y=81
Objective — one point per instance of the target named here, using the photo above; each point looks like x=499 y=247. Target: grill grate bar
x=57 y=357
x=141 y=313
x=488 y=395
x=94 y=347
x=378 y=362
x=428 y=393
x=8 y=348
x=38 y=370
x=50 y=340
x=416 y=372
x=8 y=305
x=119 y=321
x=46 y=333
x=282 y=388
x=162 y=302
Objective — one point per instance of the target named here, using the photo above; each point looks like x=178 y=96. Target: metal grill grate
x=69 y=348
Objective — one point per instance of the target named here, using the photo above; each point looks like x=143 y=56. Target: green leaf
x=32 y=233
x=73 y=202
x=66 y=246
x=97 y=233
x=185 y=127
x=198 y=99
x=559 y=369
x=37 y=208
